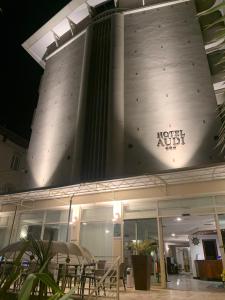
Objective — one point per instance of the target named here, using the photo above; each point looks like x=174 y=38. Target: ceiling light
x=23 y=234
x=179 y=219
x=107 y=231
x=173 y=234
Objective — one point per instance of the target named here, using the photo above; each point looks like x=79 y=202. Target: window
x=5 y=229
x=44 y=224
x=96 y=230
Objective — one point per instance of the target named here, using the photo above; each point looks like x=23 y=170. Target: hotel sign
x=169 y=140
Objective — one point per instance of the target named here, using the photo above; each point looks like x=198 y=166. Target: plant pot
x=142 y=271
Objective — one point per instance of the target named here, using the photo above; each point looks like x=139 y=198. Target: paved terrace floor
x=185 y=282
x=160 y=294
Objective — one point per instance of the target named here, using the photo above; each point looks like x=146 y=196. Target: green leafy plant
x=145 y=247
x=38 y=281
x=8 y=278
x=223 y=276
x=41 y=279
x=212 y=22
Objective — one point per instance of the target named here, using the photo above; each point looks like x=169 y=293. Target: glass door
x=192 y=252
x=221 y=233
x=139 y=233
x=222 y=226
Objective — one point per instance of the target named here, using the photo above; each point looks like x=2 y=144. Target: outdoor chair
x=122 y=275
x=93 y=277
x=30 y=267
x=67 y=276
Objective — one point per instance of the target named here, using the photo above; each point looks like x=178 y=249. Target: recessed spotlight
x=178 y=219
x=84 y=224
x=107 y=231
x=173 y=234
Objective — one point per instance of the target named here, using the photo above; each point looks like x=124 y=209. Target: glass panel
x=57 y=231
x=57 y=216
x=97 y=238
x=141 y=209
x=30 y=224
x=182 y=206
x=97 y=214
x=4 y=221
x=137 y=231
x=5 y=229
x=26 y=230
x=222 y=226
x=220 y=204
x=32 y=217
x=191 y=249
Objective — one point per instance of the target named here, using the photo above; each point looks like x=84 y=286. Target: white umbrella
x=56 y=248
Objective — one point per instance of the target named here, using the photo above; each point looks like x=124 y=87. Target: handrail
x=96 y=289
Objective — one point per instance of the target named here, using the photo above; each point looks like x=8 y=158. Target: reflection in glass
x=5 y=229
x=222 y=226
x=97 y=237
x=57 y=232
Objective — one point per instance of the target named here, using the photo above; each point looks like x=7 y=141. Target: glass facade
x=137 y=231
x=93 y=226
x=222 y=226
x=96 y=231
x=43 y=225
x=5 y=230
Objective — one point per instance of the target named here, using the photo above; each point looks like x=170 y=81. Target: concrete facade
x=161 y=116
x=167 y=88
x=54 y=134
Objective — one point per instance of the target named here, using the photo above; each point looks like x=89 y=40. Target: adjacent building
x=13 y=150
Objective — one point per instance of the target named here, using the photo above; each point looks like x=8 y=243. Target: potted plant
x=223 y=277
x=141 y=261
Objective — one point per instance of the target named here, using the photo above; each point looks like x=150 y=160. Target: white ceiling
x=189 y=225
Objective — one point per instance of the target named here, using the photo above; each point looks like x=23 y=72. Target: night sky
x=20 y=74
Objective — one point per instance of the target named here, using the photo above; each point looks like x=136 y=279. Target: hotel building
x=123 y=143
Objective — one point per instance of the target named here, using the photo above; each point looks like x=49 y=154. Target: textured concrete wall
x=161 y=111
x=167 y=88
x=50 y=156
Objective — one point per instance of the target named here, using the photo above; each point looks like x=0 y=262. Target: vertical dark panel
x=97 y=98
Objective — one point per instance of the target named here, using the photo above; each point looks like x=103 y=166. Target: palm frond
x=218 y=35
x=221 y=19
x=221 y=134
x=212 y=9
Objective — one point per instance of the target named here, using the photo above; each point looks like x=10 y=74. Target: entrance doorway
x=137 y=231
x=191 y=248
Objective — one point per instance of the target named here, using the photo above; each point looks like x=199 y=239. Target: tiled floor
x=158 y=294
x=180 y=287
x=187 y=283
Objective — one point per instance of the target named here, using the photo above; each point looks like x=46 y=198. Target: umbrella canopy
x=55 y=248
x=15 y=247
x=87 y=254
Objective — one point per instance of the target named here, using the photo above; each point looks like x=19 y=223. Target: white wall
x=197 y=252
x=180 y=259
